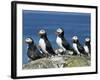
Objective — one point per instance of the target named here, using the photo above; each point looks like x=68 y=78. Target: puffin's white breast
x=75 y=47
x=59 y=42
x=86 y=49
x=42 y=44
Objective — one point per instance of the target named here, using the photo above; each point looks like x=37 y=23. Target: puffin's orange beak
x=57 y=33
x=39 y=34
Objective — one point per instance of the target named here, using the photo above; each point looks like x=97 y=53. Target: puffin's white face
x=59 y=30
x=75 y=38
x=87 y=39
x=42 y=31
x=28 y=40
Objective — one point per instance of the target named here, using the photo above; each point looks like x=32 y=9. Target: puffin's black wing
x=49 y=48
x=66 y=44
x=33 y=53
x=80 y=48
x=30 y=54
x=89 y=46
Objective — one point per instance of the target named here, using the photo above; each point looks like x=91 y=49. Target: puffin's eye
x=42 y=31
x=75 y=38
x=87 y=39
x=59 y=30
x=28 y=40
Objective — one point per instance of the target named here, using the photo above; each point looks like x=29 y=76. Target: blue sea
x=73 y=24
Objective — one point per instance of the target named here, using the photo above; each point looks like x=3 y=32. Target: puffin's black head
x=60 y=32
x=29 y=41
x=75 y=39
x=42 y=33
x=87 y=40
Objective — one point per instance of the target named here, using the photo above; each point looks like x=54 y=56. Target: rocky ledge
x=59 y=62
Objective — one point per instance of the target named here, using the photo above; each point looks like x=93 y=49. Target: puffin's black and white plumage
x=87 y=46
x=45 y=44
x=61 y=41
x=33 y=53
x=77 y=46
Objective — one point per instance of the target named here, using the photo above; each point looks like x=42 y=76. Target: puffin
x=45 y=44
x=87 y=46
x=33 y=52
x=77 y=46
x=62 y=42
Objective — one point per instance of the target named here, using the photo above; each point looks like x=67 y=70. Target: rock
x=59 y=62
x=44 y=63
x=77 y=61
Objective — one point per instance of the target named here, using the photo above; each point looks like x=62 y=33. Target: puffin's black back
x=65 y=43
x=33 y=53
x=80 y=47
x=48 y=45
